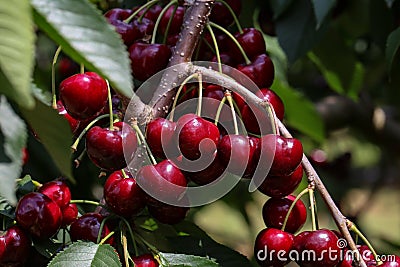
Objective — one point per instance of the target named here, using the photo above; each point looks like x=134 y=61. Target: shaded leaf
x=279 y=7
x=15 y=137
x=183 y=260
x=322 y=9
x=85 y=36
x=54 y=133
x=392 y=46
x=6 y=209
x=86 y=254
x=16 y=53
x=25 y=186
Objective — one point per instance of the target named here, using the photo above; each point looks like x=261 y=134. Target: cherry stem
x=75 y=144
x=127 y=225
x=169 y=25
x=200 y=100
x=79 y=158
x=156 y=25
x=357 y=231
x=221 y=104
x=312 y=207
x=228 y=96
x=194 y=75
x=110 y=111
x=34 y=182
x=103 y=223
x=83 y=201
x=124 y=173
x=148 y=4
x=107 y=237
x=147 y=244
x=143 y=139
x=82 y=71
x=305 y=191
x=216 y=47
x=235 y=18
x=233 y=39
x=125 y=245
x=53 y=77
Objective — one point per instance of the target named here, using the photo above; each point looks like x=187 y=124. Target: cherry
x=69 y=214
x=87 y=227
x=145 y=260
x=116 y=18
x=272 y=247
x=210 y=107
x=288 y=153
x=281 y=186
x=261 y=70
x=159 y=135
x=105 y=147
x=220 y=13
x=152 y=13
x=226 y=59
x=323 y=245
x=235 y=150
x=15 y=247
x=74 y=124
x=367 y=255
x=176 y=22
x=123 y=195
x=83 y=95
x=196 y=135
x=254 y=156
x=39 y=215
x=165 y=180
x=275 y=210
x=392 y=262
x=148 y=59
x=58 y=191
x=252 y=42
x=209 y=174
x=168 y=214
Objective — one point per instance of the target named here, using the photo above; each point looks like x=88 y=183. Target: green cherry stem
x=99 y=240
x=53 y=77
x=228 y=96
x=83 y=201
x=194 y=75
x=216 y=47
x=106 y=237
x=221 y=104
x=82 y=71
x=235 y=18
x=78 y=160
x=233 y=39
x=143 y=140
x=147 y=5
x=305 y=191
x=124 y=173
x=200 y=101
x=111 y=127
x=352 y=227
x=127 y=225
x=156 y=25
x=124 y=242
x=169 y=25
x=312 y=206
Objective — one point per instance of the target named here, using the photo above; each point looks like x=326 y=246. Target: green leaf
x=6 y=209
x=280 y=6
x=322 y=9
x=183 y=260
x=25 y=186
x=392 y=46
x=54 y=133
x=85 y=36
x=17 y=50
x=86 y=254
x=300 y=113
x=15 y=136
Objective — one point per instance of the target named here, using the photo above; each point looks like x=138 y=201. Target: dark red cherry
x=281 y=186
x=367 y=255
x=69 y=214
x=208 y=174
x=176 y=22
x=324 y=246
x=234 y=152
x=38 y=215
x=261 y=71
x=221 y=15
x=83 y=95
x=145 y=260
x=196 y=135
x=105 y=147
x=73 y=123
x=275 y=211
x=58 y=191
x=252 y=42
x=148 y=59
x=272 y=247
x=116 y=18
x=123 y=195
x=159 y=136
x=152 y=13
x=288 y=153
x=254 y=156
x=212 y=95
x=168 y=214
x=87 y=228
x=392 y=262
x=15 y=247
x=226 y=59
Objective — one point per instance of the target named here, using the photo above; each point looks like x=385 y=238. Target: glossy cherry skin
x=209 y=174
x=271 y=244
x=165 y=180
x=392 y=262
x=148 y=59
x=69 y=214
x=196 y=135
x=176 y=22
x=159 y=136
x=281 y=186
x=261 y=71
x=235 y=150
x=367 y=255
x=83 y=95
x=275 y=210
x=38 y=215
x=58 y=191
x=152 y=13
x=116 y=18
x=168 y=214
x=288 y=153
x=252 y=42
x=323 y=243
x=87 y=228
x=254 y=156
x=15 y=247
x=145 y=260
x=105 y=147
x=123 y=195
x=73 y=123
x=220 y=13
